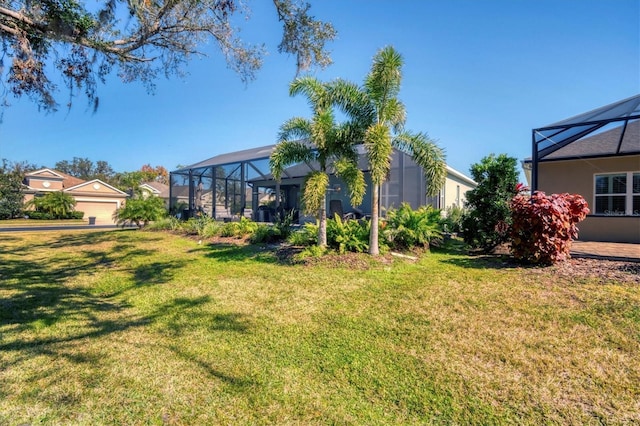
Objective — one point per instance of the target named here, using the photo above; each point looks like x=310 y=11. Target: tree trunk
x=374 y=248
x=322 y=229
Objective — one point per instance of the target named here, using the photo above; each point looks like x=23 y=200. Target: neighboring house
x=95 y=198
x=596 y=155
x=156 y=189
x=232 y=184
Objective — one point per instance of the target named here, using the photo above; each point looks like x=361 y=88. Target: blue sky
x=478 y=76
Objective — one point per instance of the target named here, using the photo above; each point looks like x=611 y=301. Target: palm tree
x=58 y=204
x=320 y=140
x=381 y=117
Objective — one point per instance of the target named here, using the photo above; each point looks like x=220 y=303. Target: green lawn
x=129 y=327
x=21 y=223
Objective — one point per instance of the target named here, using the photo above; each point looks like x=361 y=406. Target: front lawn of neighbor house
x=129 y=327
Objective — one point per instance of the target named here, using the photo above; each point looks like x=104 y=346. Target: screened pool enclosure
x=239 y=184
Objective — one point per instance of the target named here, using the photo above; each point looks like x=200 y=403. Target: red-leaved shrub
x=544 y=226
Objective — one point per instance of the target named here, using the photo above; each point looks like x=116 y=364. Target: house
x=240 y=184
x=157 y=189
x=596 y=155
x=95 y=198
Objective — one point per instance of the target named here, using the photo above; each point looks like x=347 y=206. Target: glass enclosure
x=245 y=188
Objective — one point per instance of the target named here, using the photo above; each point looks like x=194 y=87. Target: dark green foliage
x=485 y=224
x=406 y=228
x=140 y=211
x=11 y=193
x=545 y=225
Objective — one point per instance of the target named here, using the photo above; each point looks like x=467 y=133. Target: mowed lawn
x=129 y=327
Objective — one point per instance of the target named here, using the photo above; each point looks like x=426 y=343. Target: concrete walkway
x=609 y=251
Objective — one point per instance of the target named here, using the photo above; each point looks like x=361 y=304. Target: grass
x=19 y=223
x=128 y=327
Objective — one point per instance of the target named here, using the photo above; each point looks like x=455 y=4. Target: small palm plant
x=319 y=140
x=58 y=204
x=381 y=116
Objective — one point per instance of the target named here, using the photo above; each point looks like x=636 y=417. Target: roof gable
x=45 y=174
x=95 y=186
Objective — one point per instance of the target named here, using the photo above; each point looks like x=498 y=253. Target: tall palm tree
x=381 y=117
x=320 y=140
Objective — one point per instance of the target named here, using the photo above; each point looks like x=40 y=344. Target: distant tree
x=140 y=211
x=155 y=174
x=11 y=189
x=486 y=221
x=84 y=168
x=141 y=39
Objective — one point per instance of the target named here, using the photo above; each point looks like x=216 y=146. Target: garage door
x=103 y=212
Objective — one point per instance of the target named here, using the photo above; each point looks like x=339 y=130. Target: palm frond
x=352 y=100
x=313 y=89
x=379 y=149
x=287 y=153
x=295 y=128
x=354 y=178
x=315 y=188
x=383 y=81
x=428 y=155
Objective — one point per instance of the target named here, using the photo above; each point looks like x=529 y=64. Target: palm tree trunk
x=322 y=229
x=374 y=248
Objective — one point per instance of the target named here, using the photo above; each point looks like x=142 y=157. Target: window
x=617 y=194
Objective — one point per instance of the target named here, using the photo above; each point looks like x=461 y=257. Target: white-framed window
x=617 y=194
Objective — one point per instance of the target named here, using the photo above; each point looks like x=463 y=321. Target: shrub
x=57 y=205
x=486 y=221
x=169 y=223
x=349 y=235
x=38 y=215
x=140 y=211
x=545 y=225
x=452 y=221
x=406 y=228
x=202 y=226
x=305 y=236
x=239 y=229
x=265 y=234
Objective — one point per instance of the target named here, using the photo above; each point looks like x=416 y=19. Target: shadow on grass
x=224 y=252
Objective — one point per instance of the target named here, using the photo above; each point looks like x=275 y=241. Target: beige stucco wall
x=577 y=177
x=54 y=184
x=451 y=196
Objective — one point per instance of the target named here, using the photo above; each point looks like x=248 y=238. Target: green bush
x=406 y=228
x=202 y=226
x=239 y=229
x=57 y=205
x=452 y=221
x=140 y=211
x=305 y=236
x=486 y=222
x=349 y=235
x=265 y=234
x=169 y=223
x=38 y=215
